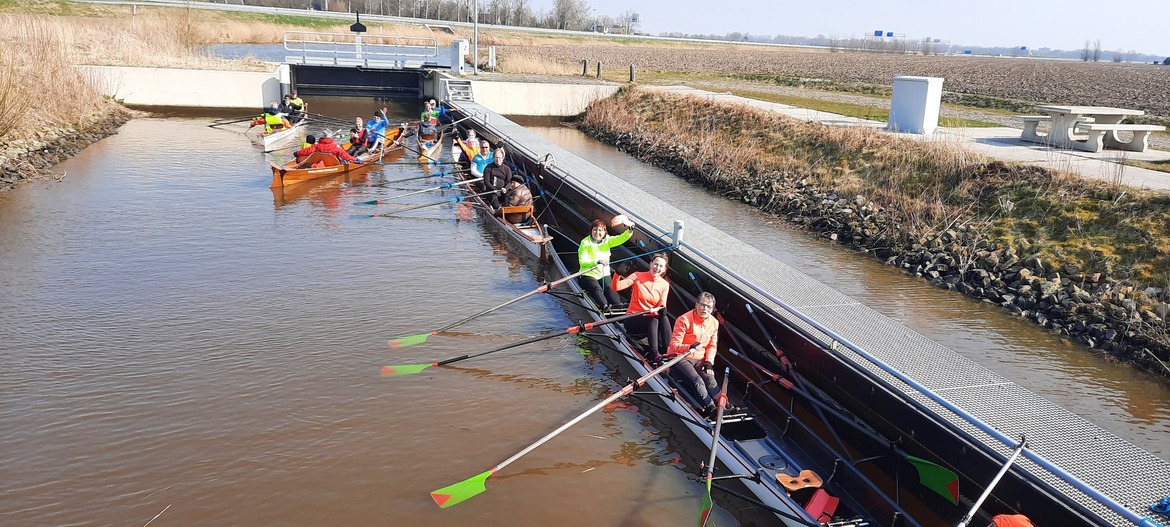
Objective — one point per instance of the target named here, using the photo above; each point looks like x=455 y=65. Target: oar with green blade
x=411 y=340
x=431 y=189
x=452 y=495
x=721 y=403
x=931 y=475
x=456 y=199
x=409 y=369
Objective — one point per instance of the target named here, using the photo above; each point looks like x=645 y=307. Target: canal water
x=180 y=339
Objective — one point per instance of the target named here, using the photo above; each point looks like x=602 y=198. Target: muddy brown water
x=180 y=339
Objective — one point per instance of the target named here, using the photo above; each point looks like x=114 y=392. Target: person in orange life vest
x=1010 y=520
x=326 y=145
x=696 y=335
x=649 y=290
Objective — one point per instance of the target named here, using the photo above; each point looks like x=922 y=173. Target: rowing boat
x=783 y=460
x=429 y=150
x=881 y=430
x=319 y=164
x=276 y=137
x=528 y=235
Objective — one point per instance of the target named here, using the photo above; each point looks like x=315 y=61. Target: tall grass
x=923 y=187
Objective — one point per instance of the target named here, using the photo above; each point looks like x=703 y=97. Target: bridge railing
x=355 y=49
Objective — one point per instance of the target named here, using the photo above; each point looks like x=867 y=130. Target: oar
x=455 y=199
x=409 y=369
x=412 y=340
x=290 y=147
x=452 y=495
x=404 y=180
x=721 y=402
x=233 y=121
x=440 y=187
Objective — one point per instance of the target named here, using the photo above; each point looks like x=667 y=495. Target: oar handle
x=761 y=368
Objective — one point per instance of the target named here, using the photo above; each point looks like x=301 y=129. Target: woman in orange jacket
x=649 y=290
x=696 y=335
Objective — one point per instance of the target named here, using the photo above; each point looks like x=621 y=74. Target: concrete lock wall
x=183 y=87
x=521 y=98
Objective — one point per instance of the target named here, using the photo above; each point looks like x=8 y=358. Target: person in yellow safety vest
x=593 y=254
x=297 y=107
x=274 y=120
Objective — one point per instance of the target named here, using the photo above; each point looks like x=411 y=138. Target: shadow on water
x=1121 y=399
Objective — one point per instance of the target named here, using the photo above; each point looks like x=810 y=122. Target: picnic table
x=1088 y=128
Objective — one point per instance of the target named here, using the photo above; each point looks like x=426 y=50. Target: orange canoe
x=319 y=164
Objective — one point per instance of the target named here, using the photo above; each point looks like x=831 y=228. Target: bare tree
x=570 y=14
x=1097 y=51
x=1117 y=56
x=1087 y=51
x=522 y=11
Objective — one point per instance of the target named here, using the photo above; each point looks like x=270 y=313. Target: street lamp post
x=475 y=41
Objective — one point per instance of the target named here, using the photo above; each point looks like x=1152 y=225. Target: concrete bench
x=1105 y=135
x=1031 y=122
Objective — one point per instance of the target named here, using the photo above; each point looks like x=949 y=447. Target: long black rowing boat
x=868 y=443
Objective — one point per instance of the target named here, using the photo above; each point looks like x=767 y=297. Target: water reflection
x=181 y=338
x=1125 y=401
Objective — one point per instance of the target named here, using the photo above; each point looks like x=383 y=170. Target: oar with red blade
x=721 y=403
x=408 y=369
x=457 y=493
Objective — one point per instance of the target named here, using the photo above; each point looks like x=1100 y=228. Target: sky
x=1139 y=25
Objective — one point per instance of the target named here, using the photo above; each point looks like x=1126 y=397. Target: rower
x=376 y=132
x=593 y=258
x=482 y=159
x=496 y=177
x=358 y=136
x=696 y=335
x=519 y=199
x=296 y=107
x=274 y=119
x=648 y=290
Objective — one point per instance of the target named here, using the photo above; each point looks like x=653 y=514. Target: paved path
x=999 y=143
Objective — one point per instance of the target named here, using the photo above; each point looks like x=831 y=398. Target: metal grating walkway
x=1127 y=474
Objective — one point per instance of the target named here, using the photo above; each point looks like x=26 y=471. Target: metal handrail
x=356 y=46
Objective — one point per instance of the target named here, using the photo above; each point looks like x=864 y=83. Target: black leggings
x=657 y=331
x=599 y=290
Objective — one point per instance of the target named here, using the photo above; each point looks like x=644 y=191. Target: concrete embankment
x=1088 y=307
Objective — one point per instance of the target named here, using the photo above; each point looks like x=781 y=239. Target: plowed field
x=1141 y=86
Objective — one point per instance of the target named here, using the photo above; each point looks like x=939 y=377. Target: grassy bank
x=925 y=189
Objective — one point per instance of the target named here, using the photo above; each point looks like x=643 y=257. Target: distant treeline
x=927 y=46
x=576 y=15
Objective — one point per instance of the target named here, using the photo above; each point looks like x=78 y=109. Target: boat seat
x=806 y=479
x=822 y=505
x=526 y=210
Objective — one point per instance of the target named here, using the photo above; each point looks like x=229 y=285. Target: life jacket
x=273 y=120
x=296 y=105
